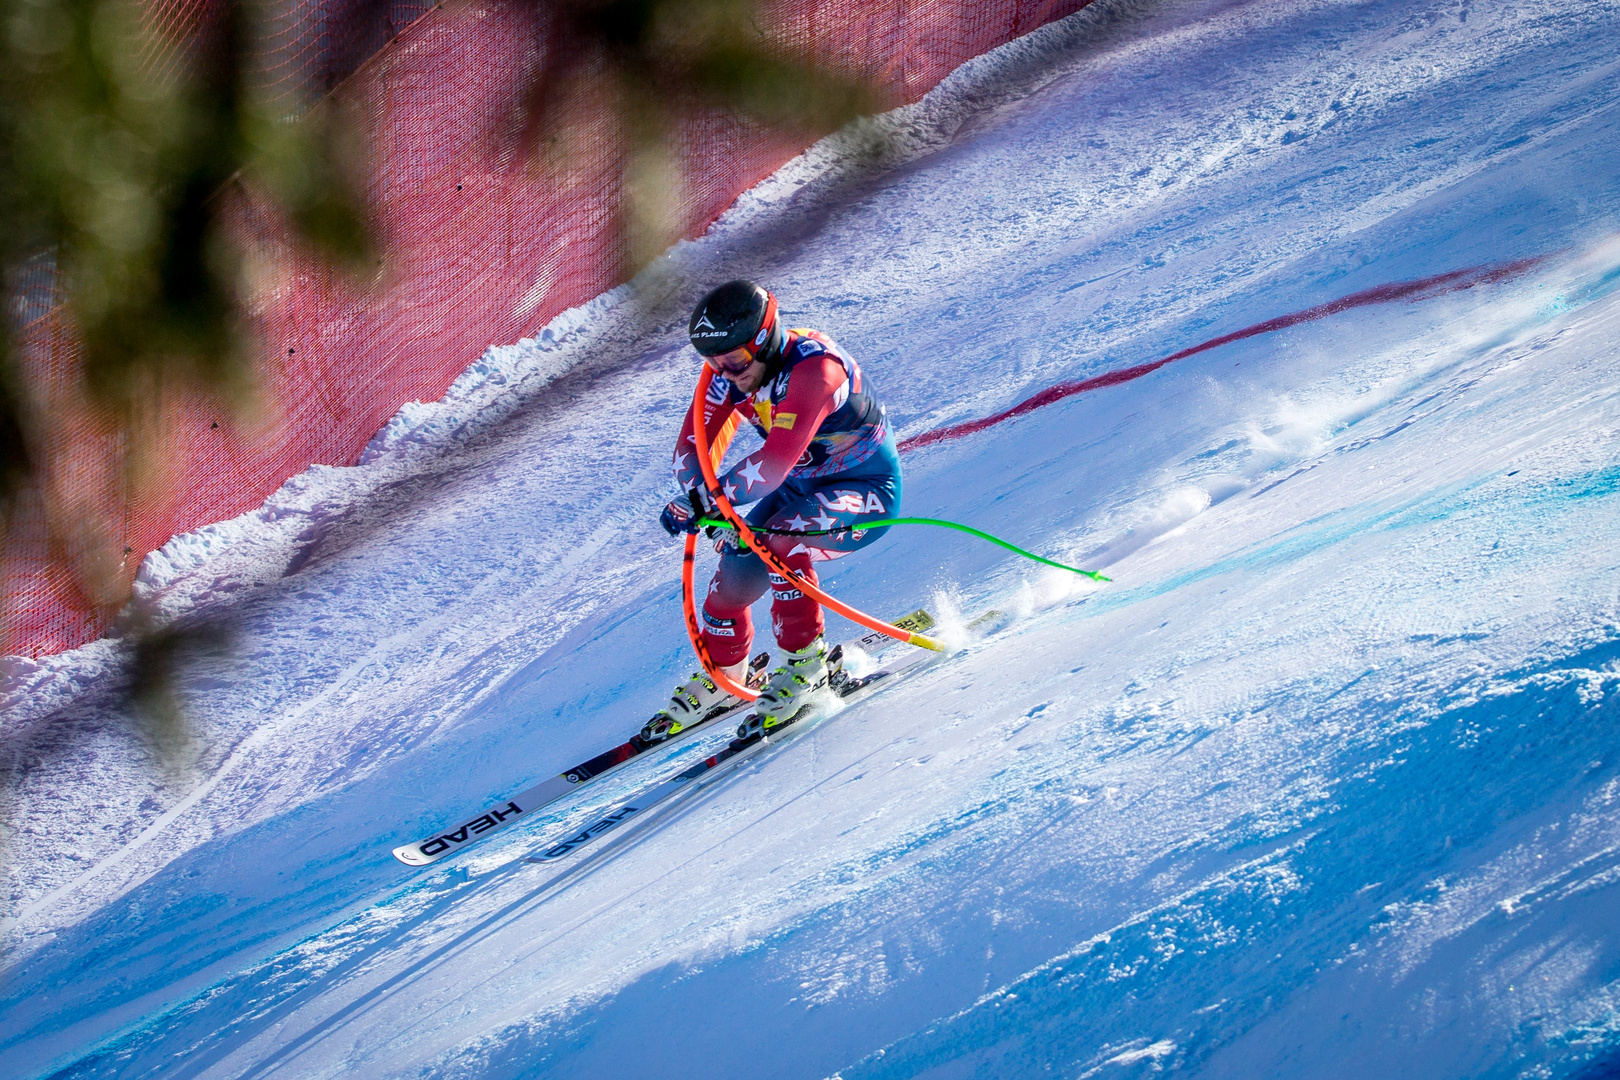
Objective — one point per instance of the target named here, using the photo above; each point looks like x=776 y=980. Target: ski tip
x=918 y=620
x=411 y=855
x=991 y=621
x=914 y=623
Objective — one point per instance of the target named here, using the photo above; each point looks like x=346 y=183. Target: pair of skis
x=730 y=757
x=497 y=817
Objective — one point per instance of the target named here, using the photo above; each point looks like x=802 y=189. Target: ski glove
x=682 y=514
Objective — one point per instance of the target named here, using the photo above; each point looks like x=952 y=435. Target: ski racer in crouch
x=828 y=465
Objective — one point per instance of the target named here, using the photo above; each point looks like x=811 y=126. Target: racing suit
x=828 y=463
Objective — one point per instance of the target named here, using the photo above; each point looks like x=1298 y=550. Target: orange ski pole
x=694 y=629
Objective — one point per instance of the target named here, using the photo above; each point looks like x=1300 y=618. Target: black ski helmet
x=738 y=313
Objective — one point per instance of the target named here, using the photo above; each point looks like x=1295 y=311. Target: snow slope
x=1325 y=783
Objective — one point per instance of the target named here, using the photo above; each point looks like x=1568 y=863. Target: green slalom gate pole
x=708 y=522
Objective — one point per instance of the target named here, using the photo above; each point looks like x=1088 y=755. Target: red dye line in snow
x=1424 y=289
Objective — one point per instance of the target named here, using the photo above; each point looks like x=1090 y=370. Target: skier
x=828 y=463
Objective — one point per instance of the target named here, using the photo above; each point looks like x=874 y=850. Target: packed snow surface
x=1325 y=783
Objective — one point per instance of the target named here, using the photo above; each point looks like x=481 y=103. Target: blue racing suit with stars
x=828 y=463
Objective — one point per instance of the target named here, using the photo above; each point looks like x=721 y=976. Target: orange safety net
x=481 y=249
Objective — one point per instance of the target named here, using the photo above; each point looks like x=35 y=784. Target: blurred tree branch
x=121 y=145
x=117 y=143
x=658 y=61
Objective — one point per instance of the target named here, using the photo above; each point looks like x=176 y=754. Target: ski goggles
x=735 y=362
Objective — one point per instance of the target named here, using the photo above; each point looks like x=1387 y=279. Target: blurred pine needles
x=123 y=143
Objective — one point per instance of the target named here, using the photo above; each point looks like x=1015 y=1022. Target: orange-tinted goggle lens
x=734 y=362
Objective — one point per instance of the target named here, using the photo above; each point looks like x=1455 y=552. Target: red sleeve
x=812 y=396
x=717 y=410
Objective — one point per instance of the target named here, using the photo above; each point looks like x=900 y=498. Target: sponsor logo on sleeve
x=786 y=420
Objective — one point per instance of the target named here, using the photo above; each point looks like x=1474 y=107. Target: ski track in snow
x=1324 y=784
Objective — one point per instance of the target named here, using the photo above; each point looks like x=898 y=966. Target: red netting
x=481 y=251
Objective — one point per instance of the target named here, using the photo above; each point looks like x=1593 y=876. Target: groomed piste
x=1298 y=321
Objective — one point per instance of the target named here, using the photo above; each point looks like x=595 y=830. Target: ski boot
x=788 y=693
x=699 y=700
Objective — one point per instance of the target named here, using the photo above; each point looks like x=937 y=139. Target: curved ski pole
x=770 y=558
x=709 y=522
x=694 y=629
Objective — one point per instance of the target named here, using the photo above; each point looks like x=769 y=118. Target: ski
x=495 y=818
x=550 y=790
x=650 y=798
x=732 y=755
x=740 y=749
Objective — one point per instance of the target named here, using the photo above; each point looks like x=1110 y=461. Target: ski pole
x=694 y=629
x=718 y=523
